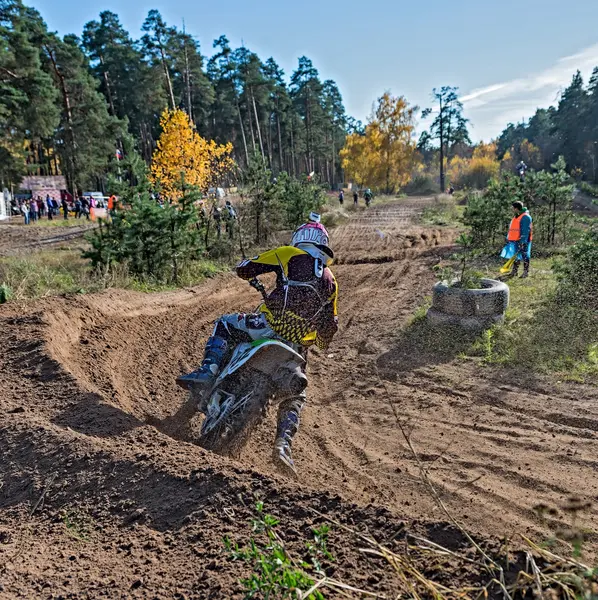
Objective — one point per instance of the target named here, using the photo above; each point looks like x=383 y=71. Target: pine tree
x=449 y=126
x=154 y=44
x=570 y=121
x=87 y=137
x=28 y=114
x=130 y=85
x=192 y=88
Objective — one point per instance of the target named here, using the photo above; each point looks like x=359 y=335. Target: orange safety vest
x=514 y=234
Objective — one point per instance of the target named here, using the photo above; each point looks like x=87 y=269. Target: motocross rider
x=302 y=310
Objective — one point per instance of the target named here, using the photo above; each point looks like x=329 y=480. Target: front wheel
x=230 y=432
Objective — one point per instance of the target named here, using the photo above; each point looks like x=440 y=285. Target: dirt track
x=16 y=238
x=79 y=378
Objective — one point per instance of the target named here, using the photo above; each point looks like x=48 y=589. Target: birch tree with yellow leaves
x=183 y=158
x=383 y=158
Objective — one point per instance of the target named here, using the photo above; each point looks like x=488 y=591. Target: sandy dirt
x=98 y=503
x=17 y=238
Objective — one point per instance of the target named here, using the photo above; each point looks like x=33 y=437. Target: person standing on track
x=521 y=234
x=355 y=198
x=301 y=310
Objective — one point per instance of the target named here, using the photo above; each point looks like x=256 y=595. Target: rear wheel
x=231 y=433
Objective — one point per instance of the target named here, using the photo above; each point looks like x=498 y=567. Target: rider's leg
x=288 y=424
x=214 y=354
x=229 y=331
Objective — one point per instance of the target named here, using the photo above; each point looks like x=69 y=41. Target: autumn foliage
x=477 y=171
x=183 y=157
x=384 y=156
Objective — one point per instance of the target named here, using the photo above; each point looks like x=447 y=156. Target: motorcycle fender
x=267 y=357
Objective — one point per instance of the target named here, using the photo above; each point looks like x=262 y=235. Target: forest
x=69 y=105
x=569 y=129
x=89 y=107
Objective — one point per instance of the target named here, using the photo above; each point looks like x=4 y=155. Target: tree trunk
x=269 y=141
x=66 y=100
x=188 y=83
x=279 y=138
x=108 y=88
x=257 y=124
x=250 y=117
x=242 y=130
x=167 y=75
x=441 y=148
x=333 y=160
x=293 y=164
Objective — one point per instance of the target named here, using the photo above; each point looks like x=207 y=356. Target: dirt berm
x=97 y=503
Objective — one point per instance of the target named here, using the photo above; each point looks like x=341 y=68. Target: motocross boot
x=204 y=377
x=288 y=423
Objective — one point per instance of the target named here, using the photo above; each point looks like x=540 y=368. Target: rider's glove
x=257 y=285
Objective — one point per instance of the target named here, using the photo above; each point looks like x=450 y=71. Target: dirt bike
x=257 y=372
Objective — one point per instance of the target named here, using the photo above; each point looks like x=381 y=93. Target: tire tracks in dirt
x=80 y=376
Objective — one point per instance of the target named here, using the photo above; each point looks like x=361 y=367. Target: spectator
x=85 y=207
x=217 y=214
x=230 y=217
x=355 y=198
x=77 y=208
x=50 y=206
x=65 y=209
x=25 y=212
x=33 y=210
x=41 y=208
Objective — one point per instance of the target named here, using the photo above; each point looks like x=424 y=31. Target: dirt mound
x=96 y=501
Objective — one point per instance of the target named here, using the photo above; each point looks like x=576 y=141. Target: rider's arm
x=328 y=322
x=272 y=261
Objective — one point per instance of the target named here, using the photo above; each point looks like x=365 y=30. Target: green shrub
x=5 y=293
x=444 y=211
x=548 y=196
x=422 y=185
x=155 y=242
x=578 y=273
x=588 y=188
x=275 y=573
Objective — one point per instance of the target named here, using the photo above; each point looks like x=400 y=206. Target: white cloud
x=491 y=108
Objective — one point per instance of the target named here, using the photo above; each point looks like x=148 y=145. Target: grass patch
x=63 y=271
x=542 y=333
x=46 y=273
x=445 y=212
x=59 y=222
x=276 y=573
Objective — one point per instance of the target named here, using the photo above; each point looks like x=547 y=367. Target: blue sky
x=507 y=57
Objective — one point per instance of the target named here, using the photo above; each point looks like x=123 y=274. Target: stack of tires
x=473 y=310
